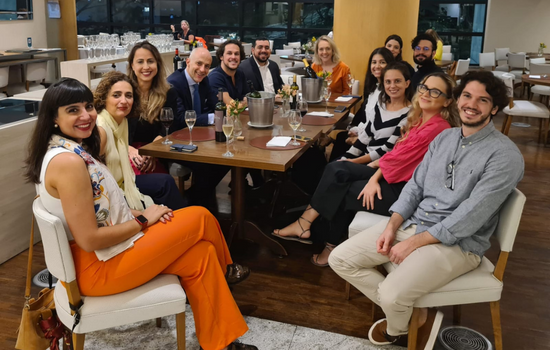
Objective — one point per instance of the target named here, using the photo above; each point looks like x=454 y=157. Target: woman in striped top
x=347 y=187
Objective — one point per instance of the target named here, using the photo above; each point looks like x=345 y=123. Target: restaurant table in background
x=28 y=55
x=443 y=64
x=297 y=58
x=246 y=156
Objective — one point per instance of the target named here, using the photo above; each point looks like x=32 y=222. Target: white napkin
x=534 y=76
x=321 y=114
x=279 y=141
x=343 y=99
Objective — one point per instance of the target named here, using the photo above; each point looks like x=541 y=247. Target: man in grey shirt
x=440 y=226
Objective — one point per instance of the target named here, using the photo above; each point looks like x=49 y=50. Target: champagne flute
x=294 y=120
x=351 y=80
x=166 y=118
x=227 y=126
x=190 y=119
x=326 y=96
x=301 y=105
x=328 y=80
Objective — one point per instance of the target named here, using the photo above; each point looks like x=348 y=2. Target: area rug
x=265 y=334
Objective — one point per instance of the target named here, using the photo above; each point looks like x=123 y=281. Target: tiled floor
x=265 y=334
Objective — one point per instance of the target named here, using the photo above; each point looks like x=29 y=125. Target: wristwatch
x=142 y=220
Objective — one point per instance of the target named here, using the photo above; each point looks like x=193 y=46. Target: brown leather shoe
x=378 y=335
x=236 y=273
x=237 y=345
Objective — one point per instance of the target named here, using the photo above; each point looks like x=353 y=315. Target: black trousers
x=339 y=146
x=205 y=179
x=336 y=198
x=162 y=189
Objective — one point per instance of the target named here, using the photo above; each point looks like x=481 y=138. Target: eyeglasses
x=425 y=48
x=450 y=182
x=434 y=93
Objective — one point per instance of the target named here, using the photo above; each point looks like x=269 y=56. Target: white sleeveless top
x=119 y=210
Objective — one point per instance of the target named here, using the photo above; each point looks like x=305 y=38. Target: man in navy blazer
x=263 y=72
x=187 y=80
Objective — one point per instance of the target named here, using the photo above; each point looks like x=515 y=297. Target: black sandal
x=294 y=238
x=315 y=258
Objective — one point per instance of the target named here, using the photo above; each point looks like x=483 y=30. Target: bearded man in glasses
x=424 y=46
x=441 y=223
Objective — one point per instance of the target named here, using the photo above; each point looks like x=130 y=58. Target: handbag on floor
x=39 y=328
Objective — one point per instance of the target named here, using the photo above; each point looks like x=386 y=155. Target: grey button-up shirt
x=487 y=167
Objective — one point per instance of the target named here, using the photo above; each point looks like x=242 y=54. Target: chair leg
x=506 y=125
x=159 y=322
x=457 y=314
x=497 y=329
x=413 y=329
x=78 y=341
x=545 y=131
x=540 y=130
x=180 y=330
x=348 y=288
x=181 y=185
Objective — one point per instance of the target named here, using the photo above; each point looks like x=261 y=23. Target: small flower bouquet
x=236 y=107
x=324 y=74
x=307 y=47
x=286 y=92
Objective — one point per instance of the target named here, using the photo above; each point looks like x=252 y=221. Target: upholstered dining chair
x=4 y=79
x=501 y=54
x=162 y=296
x=487 y=60
x=482 y=285
x=542 y=90
x=530 y=109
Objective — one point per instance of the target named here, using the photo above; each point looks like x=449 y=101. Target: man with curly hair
x=441 y=223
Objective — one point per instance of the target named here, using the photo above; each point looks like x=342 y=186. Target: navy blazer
x=252 y=72
x=208 y=97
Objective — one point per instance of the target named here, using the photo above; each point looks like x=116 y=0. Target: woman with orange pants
x=115 y=248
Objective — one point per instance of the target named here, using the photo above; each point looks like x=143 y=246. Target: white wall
x=15 y=33
x=518 y=24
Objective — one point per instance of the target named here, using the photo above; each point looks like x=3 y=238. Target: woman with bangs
x=116 y=248
x=347 y=188
x=116 y=100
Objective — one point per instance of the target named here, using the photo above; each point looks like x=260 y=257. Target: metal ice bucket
x=312 y=89
x=261 y=109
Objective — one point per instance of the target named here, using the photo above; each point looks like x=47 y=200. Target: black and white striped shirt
x=383 y=129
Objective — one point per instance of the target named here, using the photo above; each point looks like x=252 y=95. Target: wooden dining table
x=542 y=80
x=443 y=64
x=247 y=156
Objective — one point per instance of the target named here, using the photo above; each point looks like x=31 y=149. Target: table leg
x=246 y=229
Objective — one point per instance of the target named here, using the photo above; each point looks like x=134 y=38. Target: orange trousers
x=192 y=247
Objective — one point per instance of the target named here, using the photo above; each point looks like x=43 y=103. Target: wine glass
x=190 y=119
x=301 y=105
x=166 y=118
x=351 y=80
x=227 y=126
x=328 y=80
x=295 y=120
x=326 y=96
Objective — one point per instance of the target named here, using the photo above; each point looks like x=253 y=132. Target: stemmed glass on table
x=227 y=126
x=351 y=81
x=294 y=121
x=301 y=106
x=166 y=118
x=190 y=119
x=328 y=80
x=326 y=96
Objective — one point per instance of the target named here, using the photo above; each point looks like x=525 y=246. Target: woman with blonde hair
x=116 y=100
x=347 y=188
x=327 y=59
x=439 y=51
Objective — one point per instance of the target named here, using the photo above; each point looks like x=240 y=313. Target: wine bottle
x=178 y=62
x=294 y=87
x=310 y=73
x=253 y=92
x=219 y=112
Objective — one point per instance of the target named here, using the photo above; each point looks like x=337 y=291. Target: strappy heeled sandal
x=315 y=258
x=295 y=238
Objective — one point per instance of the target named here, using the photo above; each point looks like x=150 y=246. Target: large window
x=280 y=21
x=459 y=23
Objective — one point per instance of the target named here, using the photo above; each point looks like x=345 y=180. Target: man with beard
x=259 y=69
x=424 y=46
x=227 y=75
x=441 y=223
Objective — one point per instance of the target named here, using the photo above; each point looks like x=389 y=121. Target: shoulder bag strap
x=29 y=263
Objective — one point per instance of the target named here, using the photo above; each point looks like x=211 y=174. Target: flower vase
x=237 y=126
x=286 y=107
x=541 y=51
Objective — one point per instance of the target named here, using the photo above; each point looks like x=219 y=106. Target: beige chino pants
x=424 y=270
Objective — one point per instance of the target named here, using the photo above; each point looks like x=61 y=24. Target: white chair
x=355 y=88
x=538 y=60
x=247 y=49
x=285 y=62
x=539 y=69
x=462 y=67
x=271 y=45
x=34 y=74
x=295 y=44
x=276 y=59
x=218 y=40
x=522 y=108
x=487 y=60
x=517 y=63
x=288 y=47
x=446 y=56
x=162 y=296
x=482 y=285
x=4 y=78
x=501 y=54
x=446 y=48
